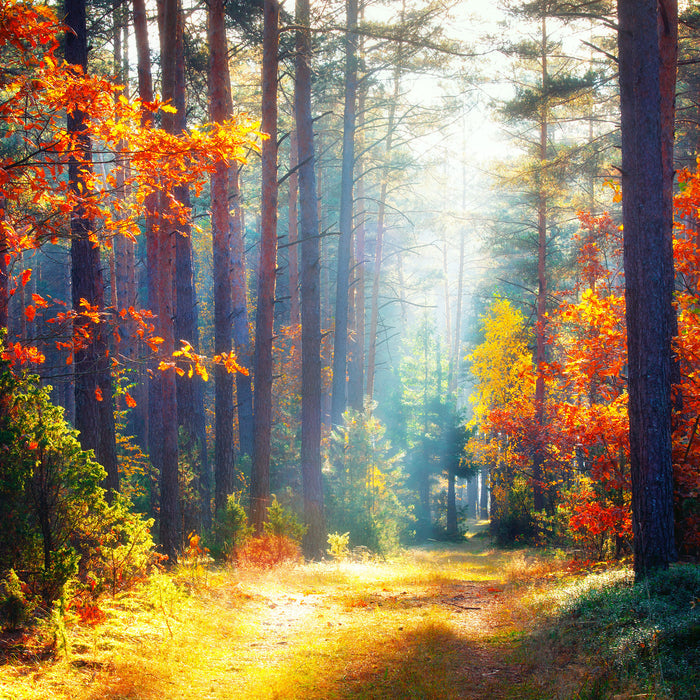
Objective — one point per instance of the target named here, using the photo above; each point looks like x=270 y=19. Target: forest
x=349 y=349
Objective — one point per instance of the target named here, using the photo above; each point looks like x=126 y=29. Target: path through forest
x=437 y=623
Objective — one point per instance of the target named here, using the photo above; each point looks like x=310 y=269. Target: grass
x=444 y=621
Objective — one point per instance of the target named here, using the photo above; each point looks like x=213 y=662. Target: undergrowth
x=639 y=638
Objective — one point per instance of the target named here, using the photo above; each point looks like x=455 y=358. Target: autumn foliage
x=36 y=204
x=587 y=478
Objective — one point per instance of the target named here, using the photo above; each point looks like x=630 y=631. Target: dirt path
x=437 y=624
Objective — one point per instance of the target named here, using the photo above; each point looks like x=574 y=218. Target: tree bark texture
x=312 y=484
x=190 y=390
x=267 y=273
x=241 y=330
x=220 y=109
x=294 y=309
x=340 y=345
x=165 y=429
x=648 y=261
x=94 y=410
x=541 y=301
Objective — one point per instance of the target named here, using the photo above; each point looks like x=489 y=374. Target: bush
x=366 y=493
x=282 y=522
x=338 y=545
x=15 y=607
x=231 y=530
x=56 y=521
x=269 y=551
x=647 y=633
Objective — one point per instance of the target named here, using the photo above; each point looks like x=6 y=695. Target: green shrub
x=366 y=485
x=338 y=545
x=56 y=523
x=283 y=522
x=231 y=529
x=646 y=633
x=15 y=607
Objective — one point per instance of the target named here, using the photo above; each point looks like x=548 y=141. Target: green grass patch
x=626 y=637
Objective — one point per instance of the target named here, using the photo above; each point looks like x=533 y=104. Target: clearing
x=440 y=622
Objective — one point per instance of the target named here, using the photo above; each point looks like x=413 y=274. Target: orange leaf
x=26 y=275
x=130 y=402
x=98 y=393
x=30 y=313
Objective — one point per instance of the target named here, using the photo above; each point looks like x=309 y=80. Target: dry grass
x=437 y=623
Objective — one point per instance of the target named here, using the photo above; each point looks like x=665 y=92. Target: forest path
x=436 y=624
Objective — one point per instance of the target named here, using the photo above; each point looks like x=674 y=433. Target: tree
x=94 y=409
x=267 y=273
x=165 y=431
x=542 y=99
x=312 y=484
x=340 y=346
x=648 y=260
x=220 y=109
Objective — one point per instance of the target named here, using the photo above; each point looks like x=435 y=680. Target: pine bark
x=146 y=409
x=648 y=260
x=340 y=345
x=315 y=538
x=94 y=411
x=294 y=308
x=267 y=273
x=541 y=301
x=241 y=330
x=165 y=429
x=220 y=109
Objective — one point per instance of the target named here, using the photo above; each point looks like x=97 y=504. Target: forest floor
x=443 y=621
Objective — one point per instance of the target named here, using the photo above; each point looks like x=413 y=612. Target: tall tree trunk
x=241 y=330
x=294 y=310
x=124 y=248
x=541 y=302
x=190 y=390
x=356 y=370
x=315 y=538
x=220 y=109
x=451 y=505
x=340 y=346
x=379 y=242
x=165 y=428
x=93 y=382
x=4 y=277
x=147 y=404
x=267 y=273
x=484 y=493
x=648 y=259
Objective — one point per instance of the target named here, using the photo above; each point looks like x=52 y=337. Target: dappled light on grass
x=441 y=621
x=412 y=627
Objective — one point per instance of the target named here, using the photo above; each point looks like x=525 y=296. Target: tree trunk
x=267 y=273
x=294 y=310
x=356 y=376
x=4 y=277
x=451 y=505
x=148 y=389
x=93 y=382
x=220 y=109
x=541 y=302
x=241 y=330
x=315 y=538
x=648 y=260
x=190 y=390
x=484 y=493
x=340 y=345
x=165 y=416
x=379 y=241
